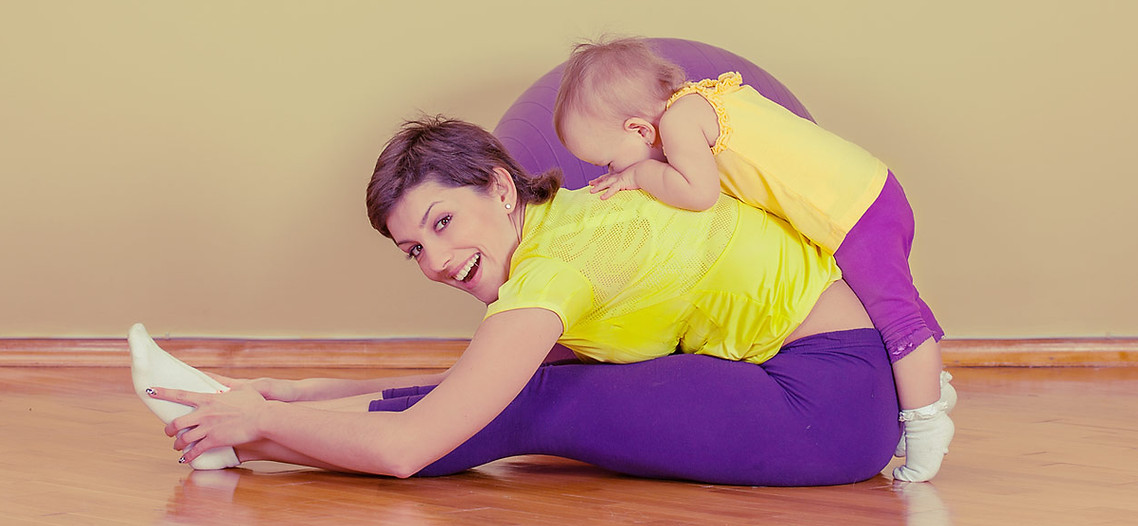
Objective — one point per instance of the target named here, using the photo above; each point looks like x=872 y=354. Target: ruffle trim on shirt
x=712 y=90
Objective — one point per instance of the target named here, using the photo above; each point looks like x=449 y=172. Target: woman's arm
x=503 y=355
x=310 y=389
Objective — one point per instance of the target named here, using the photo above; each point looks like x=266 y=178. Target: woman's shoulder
x=627 y=234
x=580 y=208
x=572 y=220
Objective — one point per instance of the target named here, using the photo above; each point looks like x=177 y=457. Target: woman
x=781 y=379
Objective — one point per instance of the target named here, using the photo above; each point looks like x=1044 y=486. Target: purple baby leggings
x=874 y=258
x=822 y=411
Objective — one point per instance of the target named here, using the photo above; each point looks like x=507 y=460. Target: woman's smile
x=466 y=272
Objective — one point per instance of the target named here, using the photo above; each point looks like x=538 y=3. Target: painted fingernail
x=182 y=460
x=151 y=392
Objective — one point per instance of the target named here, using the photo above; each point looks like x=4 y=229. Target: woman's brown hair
x=451 y=152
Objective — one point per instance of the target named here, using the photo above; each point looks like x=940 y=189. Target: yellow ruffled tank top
x=770 y=158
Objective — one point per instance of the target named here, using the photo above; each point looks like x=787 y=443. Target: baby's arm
x=690 y=178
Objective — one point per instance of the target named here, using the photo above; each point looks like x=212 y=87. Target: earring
x=509 y=206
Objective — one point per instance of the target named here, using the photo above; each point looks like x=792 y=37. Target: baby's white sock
x=150 y=366
x=947 y=395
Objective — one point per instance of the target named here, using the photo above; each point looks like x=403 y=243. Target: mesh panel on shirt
x=640 y=256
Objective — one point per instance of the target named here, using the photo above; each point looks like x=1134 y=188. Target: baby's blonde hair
x=618 y=78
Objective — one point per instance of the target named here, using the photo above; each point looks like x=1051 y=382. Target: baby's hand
x=611 y=183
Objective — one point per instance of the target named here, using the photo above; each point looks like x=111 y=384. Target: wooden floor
x=1033 y=446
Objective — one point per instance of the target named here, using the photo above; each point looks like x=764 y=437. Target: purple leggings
x=822 y=411
x=874 y=258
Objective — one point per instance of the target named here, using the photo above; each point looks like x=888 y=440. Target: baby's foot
x=153 y=367
x=947 y=396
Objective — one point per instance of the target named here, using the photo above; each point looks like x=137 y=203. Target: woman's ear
x=504 y=188
x=641 y=127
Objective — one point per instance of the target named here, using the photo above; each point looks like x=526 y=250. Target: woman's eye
x=414 y=251
x=442 y=222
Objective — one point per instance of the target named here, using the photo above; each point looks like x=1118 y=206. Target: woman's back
x=632 y=278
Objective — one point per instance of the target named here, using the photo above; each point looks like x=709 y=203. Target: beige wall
x=200 y=166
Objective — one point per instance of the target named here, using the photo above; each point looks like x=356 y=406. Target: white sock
x=150 y=366
x=947 y=395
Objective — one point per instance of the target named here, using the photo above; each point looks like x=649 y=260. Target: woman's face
x=462 y=236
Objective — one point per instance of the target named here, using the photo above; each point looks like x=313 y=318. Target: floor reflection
x=534 y=487
x=923 y=505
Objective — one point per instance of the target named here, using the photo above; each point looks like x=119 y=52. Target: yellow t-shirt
x=773 y=159
x=634 y=279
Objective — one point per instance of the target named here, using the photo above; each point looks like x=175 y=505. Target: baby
x=623 y=107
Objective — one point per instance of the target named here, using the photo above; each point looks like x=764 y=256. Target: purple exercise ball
x=527 y=132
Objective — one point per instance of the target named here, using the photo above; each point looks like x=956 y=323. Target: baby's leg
x=875 y=262
x=930 y=320
x=153 y=367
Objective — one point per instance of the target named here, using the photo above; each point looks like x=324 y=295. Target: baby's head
x=612 y=87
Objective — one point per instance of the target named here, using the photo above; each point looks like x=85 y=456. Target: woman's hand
x=270 y=388
x=218 y=420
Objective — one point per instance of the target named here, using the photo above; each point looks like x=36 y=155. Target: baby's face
x=604 y=142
